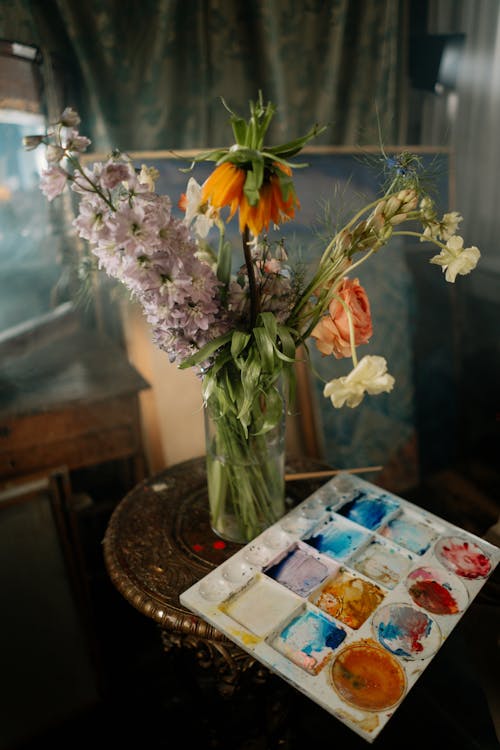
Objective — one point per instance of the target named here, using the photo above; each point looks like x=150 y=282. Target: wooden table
x=159 y=542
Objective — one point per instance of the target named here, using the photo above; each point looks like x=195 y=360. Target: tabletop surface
x=159 y=540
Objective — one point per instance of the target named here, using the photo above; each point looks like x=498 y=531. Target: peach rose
x=332 y=331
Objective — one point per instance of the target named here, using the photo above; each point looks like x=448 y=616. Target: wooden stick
x=329 y=473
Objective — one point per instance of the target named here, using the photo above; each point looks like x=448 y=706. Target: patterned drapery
x=151 y=74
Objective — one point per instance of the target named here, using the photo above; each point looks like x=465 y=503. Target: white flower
x=201 y=216
x=148 y=177
x=370 y=375
x=449 y=224
x=455 y=259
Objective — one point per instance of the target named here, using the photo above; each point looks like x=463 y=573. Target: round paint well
x=276 y=538
x=367 y=676
x=296 y=523
x=462 y=557
x=237 y=571
x=437 y=590
x=258 y=554
x=313 y=509
x=406 y=631
x=214 y=588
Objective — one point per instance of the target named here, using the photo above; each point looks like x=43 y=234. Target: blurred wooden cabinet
x=70 y=397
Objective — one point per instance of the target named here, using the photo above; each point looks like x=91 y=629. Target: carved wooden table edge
x=152 y=552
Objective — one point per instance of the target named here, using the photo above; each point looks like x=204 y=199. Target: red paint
x=434 y=597
x=219 y=545
x=197 y=547
x=466 y=560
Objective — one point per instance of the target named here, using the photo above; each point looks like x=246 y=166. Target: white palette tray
x=348 y=597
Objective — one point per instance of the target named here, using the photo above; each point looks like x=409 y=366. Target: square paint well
x=382 y=564
x=410 y=533
x=369 y=509
x=261 y=606
x=337 y=538
x=349 y=598
x=309 y=640
x=301 y=570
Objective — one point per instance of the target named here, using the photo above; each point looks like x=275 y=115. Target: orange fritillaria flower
x=224 y=187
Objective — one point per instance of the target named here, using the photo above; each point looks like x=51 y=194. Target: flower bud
x=398 y=219
x=70 y=118
x=393 y=205
x=376 y=222
x=344 y=240
x=32 y=141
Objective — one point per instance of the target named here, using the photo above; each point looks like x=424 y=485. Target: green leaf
x=224 y=262
x=240 y=129
x=253 y=181
x=238 y=342
x=268 y=320
x=213 y=155
x=288 y=346
x=266 y=348
x=205 y=352
x=286 y=185
x=267 y=418
x=293 y=147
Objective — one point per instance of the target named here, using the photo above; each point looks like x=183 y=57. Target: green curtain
x=151 y=73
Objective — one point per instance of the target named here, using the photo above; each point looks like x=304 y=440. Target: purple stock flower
x=53 y=181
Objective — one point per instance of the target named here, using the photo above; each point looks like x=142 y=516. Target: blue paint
x=299 y=572
x=405 y=631
x=311 y=633
x=410 y=534
x=367 y=510
x=336 y=540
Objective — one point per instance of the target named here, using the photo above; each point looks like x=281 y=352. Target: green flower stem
x=252 y=287
x=407 y=233
x=245 y=476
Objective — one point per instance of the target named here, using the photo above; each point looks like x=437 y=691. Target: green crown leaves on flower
x=249 y=152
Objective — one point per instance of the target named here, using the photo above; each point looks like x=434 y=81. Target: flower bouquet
x=242 y=317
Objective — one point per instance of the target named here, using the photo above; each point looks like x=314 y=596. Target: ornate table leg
x=227 y=661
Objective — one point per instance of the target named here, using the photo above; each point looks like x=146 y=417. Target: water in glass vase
x=245 y=473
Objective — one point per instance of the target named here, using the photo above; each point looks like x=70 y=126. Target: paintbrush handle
x=329 y=473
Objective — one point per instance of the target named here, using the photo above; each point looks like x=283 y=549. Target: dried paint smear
x=338 y=539
x=464 y=558
x=349 y=599
x=382 y=564
x=368 y=677
x=309 y=640
x=369 y=511
x=299 y=571
x=410 y=534
x=406 y=631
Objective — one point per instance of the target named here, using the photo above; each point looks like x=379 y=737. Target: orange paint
x=368 y=677
x=349 y=599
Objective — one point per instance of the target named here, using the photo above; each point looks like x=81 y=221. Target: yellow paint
x=247 y=638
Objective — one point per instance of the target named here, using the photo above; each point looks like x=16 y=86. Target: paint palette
x=348 y=597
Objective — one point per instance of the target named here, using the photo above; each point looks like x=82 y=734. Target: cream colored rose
x=369 y=376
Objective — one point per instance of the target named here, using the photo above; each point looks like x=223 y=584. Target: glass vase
x=245 y=470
